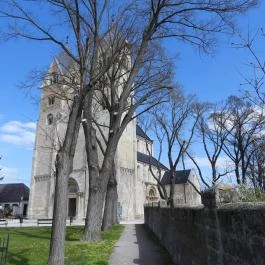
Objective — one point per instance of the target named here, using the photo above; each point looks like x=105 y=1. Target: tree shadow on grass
x=17 y=259
x=73 y=234
x=39 y=235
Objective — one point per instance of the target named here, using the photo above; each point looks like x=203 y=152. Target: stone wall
x=231 y=234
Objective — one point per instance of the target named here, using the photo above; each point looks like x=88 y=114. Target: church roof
x=181 y=177
x=141 y=133
x=146 y=159
x=13 y=192
x=64 y=61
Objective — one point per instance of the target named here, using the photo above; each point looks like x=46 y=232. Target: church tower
x=50 y=131
x=42 y=179
x=131 y=160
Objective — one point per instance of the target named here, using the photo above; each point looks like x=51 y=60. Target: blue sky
x=212 y=77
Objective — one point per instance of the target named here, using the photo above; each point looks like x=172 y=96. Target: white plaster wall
x=142 y=145
x=43 y=161
x=144 y=179
x=185 y=193
x=178 y=193
x=40 y=203
x=126 y=171
x=193 y=197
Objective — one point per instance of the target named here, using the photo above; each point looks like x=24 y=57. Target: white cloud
x=17 y=126
x=18 y=133
x=8 y=171
x=11 y=175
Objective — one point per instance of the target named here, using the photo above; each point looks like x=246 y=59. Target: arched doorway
x=72 y=197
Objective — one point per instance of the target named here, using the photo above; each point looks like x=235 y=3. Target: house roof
x=141 y=133
x=13 y=192
x=181 y=177
x=146 y=159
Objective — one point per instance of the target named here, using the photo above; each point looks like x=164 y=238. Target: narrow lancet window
x=49 y=119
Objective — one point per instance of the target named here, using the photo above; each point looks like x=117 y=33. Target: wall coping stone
x=179 y=206
x=242 y=206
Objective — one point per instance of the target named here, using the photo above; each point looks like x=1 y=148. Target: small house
x=14 y=196
x=186 y=187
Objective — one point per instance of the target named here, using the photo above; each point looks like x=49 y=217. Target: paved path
x=137 y=246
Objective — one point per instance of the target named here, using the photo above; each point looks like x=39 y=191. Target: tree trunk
x=214 y=174
x=63 y=166
x=110 y=211
x=56 y=255
x=243 y=170
x=96 y=195
x=172 y=189
x=94 y=213
x=238 y=179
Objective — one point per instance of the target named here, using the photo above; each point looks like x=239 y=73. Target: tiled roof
x=13 y=192
x=181 y=177
x=141 y=133
x=146 y=159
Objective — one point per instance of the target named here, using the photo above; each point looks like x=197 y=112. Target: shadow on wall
x=150 y=250
x=228 y=234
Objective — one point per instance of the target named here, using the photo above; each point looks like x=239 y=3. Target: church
x=136 y=185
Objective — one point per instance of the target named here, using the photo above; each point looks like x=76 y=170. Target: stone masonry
x=231 y=234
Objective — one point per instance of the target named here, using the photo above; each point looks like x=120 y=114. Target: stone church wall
x=231 y=234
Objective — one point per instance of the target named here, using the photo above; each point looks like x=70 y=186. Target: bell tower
x=46 y=143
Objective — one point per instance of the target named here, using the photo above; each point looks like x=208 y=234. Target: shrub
x=251 y=195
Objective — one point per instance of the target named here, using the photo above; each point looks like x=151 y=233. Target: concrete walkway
x=138 y=246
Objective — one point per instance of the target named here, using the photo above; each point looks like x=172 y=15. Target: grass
x=30 y=246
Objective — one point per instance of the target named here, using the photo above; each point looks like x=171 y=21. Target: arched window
x=49 y=119
x=54 y=78
x=51 y=100
x=72 y=186
x=151 y=196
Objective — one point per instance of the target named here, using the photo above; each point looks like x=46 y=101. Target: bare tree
x=173 y=124
x=256 y=170
x=159 y=27
x=213 y=134
x=253 y=85
x=247 y=124
x=119 y=101
x=84 y=21
x=83 y=36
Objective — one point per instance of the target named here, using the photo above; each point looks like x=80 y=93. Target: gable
x=142 y=134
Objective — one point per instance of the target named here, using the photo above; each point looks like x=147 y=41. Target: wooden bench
x=3 y=222
x=44 y=222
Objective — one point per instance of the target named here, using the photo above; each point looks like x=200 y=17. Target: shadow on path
x=150 y=250
x=138 y=246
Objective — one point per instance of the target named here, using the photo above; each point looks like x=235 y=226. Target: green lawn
x=29 y=246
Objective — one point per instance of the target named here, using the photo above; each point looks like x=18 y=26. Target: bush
x=7 y=211
x=251 y=195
